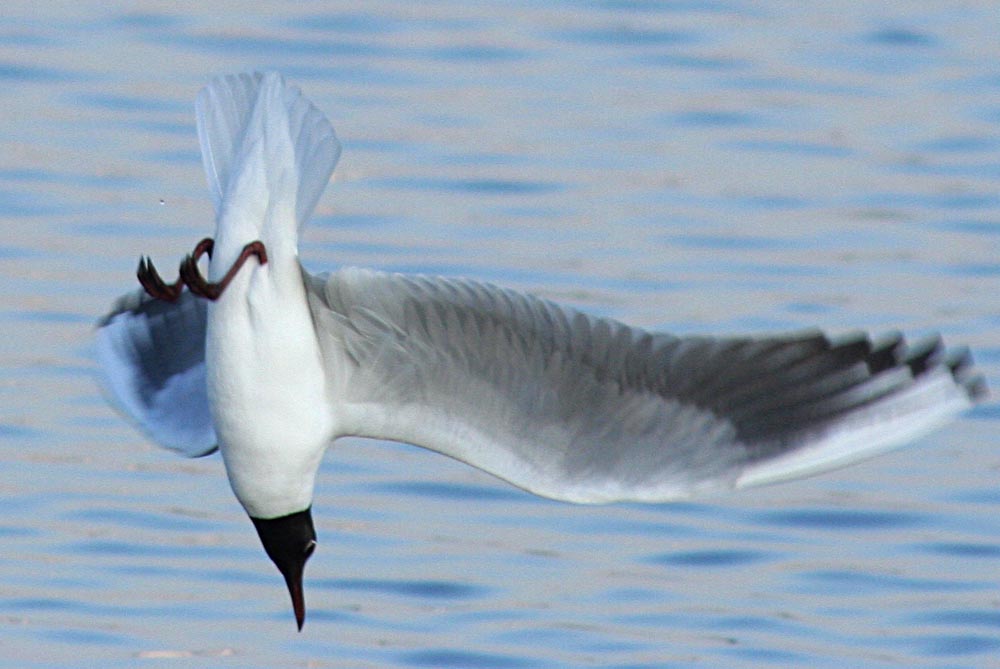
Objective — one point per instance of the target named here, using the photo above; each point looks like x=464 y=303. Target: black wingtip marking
x=843 y=378
x=924 y=355
x=886 y=353
x=963 y=370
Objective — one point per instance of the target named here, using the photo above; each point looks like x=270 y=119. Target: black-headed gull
x=269 y=363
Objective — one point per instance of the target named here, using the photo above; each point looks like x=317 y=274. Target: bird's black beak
x=289 y=541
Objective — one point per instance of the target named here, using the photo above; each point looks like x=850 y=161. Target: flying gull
x=269 y=363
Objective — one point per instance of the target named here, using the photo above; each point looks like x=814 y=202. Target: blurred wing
x=152 y=358
x=587 y=409
x=234 y=112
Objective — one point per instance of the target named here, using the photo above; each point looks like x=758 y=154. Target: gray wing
x=587 y=409
x=152 y=359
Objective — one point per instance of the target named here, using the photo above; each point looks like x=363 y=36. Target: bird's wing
x=235 y=111
x=152 y=359
x=587 y=409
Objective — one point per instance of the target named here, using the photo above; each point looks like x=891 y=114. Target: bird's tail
x=256 y=129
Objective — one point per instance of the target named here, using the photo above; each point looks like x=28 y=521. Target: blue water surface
x=695 y=166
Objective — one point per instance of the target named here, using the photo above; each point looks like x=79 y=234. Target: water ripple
x=715 y=118
x=972 y=618
x=473 y=186
x=803 y=148
x=20 y=203
x=85 y=637
x=480 y=53
x=932 y=200
x=900 y=37
x=710 y=558
x=444 y=657
x=683 y=61
x=258 y=45
x=842 y=583
x=625 y=36
x=146 y=20
x=642 y=7
x=448 y=590
x=348 y=22
x=971 y=227
x=840 y=519
x=949 y=645
x=19 y=72
x=139 y=519
x=962 y=550
x=112 y=102
x=960 y=144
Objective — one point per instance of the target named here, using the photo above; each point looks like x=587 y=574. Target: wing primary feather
x=886 y=353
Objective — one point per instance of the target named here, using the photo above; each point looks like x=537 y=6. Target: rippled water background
x=696 y=166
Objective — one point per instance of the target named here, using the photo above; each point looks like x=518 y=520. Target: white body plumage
x=266 y=380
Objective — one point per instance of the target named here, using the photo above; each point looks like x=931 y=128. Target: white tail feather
x=236 y=111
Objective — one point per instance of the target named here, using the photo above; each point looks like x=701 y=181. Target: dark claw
x=154 y=284
x=191 y=275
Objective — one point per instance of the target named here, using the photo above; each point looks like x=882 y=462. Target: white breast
x=267 y=388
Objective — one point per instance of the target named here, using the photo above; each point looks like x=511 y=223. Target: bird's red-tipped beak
x=294 y=583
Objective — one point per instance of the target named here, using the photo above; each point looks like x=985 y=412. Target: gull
x=269 y=363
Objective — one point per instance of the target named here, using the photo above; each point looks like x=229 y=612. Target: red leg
x=204 y=246
x=196 y=282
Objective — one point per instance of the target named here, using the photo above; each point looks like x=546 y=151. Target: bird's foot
x=197 y=284
x=156 y=287
x=191 y=276
x=154 y=284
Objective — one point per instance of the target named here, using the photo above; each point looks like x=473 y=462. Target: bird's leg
x=204 y=246
x=211 y=291
x=154 y=284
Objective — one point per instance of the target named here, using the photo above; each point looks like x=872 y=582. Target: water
x=694 y=166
